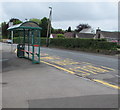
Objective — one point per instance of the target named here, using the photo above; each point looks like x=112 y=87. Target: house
x=85 y=35
x=109 y=36
x=78 y=35
x=53 y=36
x=87 y=30
x=69 y=35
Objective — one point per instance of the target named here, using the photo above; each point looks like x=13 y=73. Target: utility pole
x=49 y=26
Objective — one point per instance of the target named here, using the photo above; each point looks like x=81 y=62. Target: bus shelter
x=28 y=34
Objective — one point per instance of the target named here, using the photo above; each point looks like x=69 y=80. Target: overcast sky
x=65 y=14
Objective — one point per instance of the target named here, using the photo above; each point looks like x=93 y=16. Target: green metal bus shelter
x=29 y=40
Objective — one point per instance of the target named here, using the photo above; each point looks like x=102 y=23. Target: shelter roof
x=25 y=25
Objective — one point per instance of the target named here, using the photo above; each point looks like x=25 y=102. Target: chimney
x=98 y=32
x=10 y=24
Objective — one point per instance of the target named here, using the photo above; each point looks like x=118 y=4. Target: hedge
x=82 y=43
x=77 y=43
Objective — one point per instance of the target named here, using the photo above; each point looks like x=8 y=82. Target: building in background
x=85 y=35
x=78 y=35
x=109 y=36
x=70 y=35
x=88 y=30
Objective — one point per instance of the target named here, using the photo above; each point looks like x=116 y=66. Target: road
x=92 y=66
x=63 y=79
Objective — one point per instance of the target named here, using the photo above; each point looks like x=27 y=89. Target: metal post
x=32 y=46
x=39 y=47
x=28 y=44
x=24 y=41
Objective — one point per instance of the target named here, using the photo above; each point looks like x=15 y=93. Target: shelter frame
x=29 y=40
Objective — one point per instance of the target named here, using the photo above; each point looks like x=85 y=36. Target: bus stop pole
x=28 y=43
x=32 y=46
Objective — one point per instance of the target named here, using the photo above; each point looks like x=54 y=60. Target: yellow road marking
x=49 y=58
x=87 y=74
x=85 y=69
x=108 y=68
x=97 y=68
x=105 y=83
x=80 y=71
x=94 y=70
x=59 y=67
x=88 y=69
x=96 y=80
x=65 y=62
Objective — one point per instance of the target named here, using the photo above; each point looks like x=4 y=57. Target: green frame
x=30 y=38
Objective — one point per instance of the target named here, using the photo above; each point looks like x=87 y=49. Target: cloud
x=108 y=25
x=60 y=1
x=63 y=12
x=23 y=10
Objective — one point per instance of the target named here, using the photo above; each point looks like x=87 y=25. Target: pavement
x=49 y=85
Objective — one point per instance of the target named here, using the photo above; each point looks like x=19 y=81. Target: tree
x=4 y=26
x=44 y=25
x=80 y=27
x=38 y=21
x=15 y=21
x=69 y=29
x=58 y=31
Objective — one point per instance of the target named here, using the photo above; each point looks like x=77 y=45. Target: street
x=84 y=64
x=63 y=79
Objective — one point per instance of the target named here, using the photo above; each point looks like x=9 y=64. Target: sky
x=64 y=14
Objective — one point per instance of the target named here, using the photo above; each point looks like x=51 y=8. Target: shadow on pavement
x=12 y=62
x=95 y=101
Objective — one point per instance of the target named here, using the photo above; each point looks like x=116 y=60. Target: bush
x=17 y=39
x=43 y=41
x=60 y=35
x=118 y=46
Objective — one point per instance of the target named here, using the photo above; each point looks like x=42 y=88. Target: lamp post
x=49 y=27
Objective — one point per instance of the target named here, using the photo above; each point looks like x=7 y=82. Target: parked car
x=9 y=41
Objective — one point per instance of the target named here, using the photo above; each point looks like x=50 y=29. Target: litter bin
x=20 y=50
